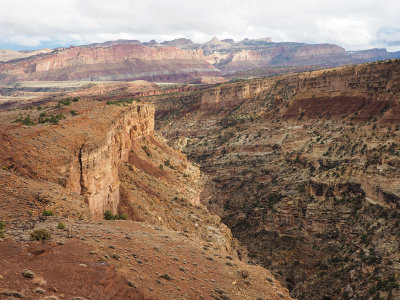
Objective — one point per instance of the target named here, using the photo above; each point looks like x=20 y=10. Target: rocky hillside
x=69 y=168
x=304 y=169
x=116 y=62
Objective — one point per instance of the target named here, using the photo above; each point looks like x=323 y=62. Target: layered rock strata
x=118 y=62
x=304 y=172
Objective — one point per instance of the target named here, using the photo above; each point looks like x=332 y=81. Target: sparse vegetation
x=2 y=226
x=123 y=101
x=61 y=226
x=25 y=120
x=64 y=102
x=146 y=150
x=40 y=235
x=47 y=213
x=53 y=119
x=108 y=215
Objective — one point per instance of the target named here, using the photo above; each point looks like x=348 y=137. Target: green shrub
x=25 y=121
x=47 y=213
x=123 y=216
x=60 y=226
x=40 y=235
x=64 y=102
x=75 y=99
x=146 y=150
x=73 y=112
x=2 y=226
x=108 y=215
x=53 y=119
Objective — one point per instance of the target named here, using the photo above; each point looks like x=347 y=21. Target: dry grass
x=40 y=281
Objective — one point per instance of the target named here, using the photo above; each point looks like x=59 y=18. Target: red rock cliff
x=120 y=62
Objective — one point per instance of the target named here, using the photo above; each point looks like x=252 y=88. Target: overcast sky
x=353 y=24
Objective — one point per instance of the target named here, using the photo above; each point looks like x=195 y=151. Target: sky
x=352 y=24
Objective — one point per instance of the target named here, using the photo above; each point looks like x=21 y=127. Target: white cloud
x=354 y=24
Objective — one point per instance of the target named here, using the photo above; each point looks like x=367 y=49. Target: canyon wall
x=94 y=173
x=230 y=95
x=363 y=83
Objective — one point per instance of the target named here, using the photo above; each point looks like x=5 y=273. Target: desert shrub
x=25 y=121
x=75 y=99
x=53 y=119
x=47 y=213
x=2 y=226
x=73 y=112
x=108 y=215
x=64 y=102
x=146 y=150
x=40 y=235
x=60 y=225
x=42 y=118
x=123 y=216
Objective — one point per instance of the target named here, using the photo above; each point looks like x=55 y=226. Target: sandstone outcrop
x=84 y=161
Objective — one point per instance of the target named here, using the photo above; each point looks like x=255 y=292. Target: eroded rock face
x=273 y=55
x=228 y=96
x=354 y=88
x=118 y=62
x=98 y=164
x=304 y=172
x=84 y=153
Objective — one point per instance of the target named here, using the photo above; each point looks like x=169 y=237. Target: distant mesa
x=179 y=60
x=178 y=42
